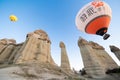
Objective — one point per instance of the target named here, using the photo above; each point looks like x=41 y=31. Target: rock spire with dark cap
x=115 y=50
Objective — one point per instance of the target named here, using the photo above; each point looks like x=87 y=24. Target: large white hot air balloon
x=94 y=18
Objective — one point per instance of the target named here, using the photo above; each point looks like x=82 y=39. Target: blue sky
x=57 y=18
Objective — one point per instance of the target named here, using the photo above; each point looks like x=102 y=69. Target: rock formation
x=34 y=52
x=35 y=60
x=96 y=60
x=115 y=50
x=65 y=65
x=36 y=48
x=7 y=47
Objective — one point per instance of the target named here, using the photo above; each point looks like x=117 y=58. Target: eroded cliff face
x=36 y=48
x=8 y=50
x=96 y=60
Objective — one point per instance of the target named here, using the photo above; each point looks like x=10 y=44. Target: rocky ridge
x=32 y=60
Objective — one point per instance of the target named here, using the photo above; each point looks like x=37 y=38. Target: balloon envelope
x=13 y=18
x=94 y=18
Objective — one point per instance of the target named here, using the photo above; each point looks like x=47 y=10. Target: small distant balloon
x=13 y=18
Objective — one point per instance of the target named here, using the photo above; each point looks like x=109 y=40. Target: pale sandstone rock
x=96 y=60
x=36 y=48
x=7 y=41
x=65 y=65
x=39 y=34
x=6 y=49
x=103 y=56
x=14 y=53
x=6 y=53
x=4 y=43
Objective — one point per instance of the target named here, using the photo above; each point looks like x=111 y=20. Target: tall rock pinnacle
x=65 y=65
x=115 y=50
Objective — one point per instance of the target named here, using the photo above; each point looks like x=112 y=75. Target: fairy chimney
x=65 y=65
x=115 y=50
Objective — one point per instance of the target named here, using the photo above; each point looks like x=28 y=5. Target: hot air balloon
x=94 y=18
x=13 y=18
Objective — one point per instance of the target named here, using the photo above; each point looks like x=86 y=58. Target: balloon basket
x=106 y=36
